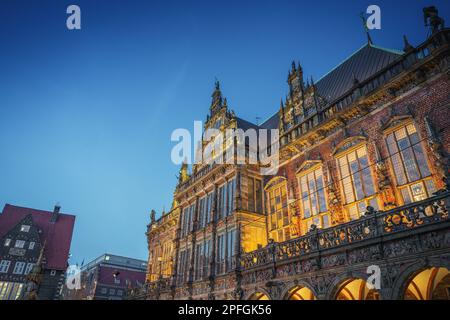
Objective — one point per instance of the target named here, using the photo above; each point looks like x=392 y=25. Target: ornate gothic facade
x=362 y=183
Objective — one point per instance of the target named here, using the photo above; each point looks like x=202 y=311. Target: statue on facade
x=438 y=155
x=384 y=183
x=432 y=19
x=152 y=216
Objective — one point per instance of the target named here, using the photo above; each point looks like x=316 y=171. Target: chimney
x=55 y=213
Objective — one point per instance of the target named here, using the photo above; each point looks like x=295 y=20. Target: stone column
x=177 y=253
x=212 y=262
x=193 y=243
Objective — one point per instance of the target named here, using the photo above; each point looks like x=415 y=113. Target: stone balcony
x=401 y=242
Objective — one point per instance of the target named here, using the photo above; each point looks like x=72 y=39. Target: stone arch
x=402 y=281
x=296 y=283
x=253 y=294
x=343 y=280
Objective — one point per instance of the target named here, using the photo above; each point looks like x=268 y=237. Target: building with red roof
x=26 y=235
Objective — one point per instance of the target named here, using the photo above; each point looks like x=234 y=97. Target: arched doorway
x=300 y=293
x=259 y=296
x=356 y=289
x=429 y=284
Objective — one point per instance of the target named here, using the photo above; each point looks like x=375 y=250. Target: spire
x=366 y=29
x=407 y=46
x=216 y=102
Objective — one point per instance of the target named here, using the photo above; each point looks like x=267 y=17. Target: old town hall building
x=362 y=182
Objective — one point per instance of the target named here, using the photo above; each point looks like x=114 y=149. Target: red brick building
x=363 y=181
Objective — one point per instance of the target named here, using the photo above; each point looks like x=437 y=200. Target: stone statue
x=432 y=19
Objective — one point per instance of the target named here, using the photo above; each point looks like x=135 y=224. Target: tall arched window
x=356 y=177
x=409 y=163
x=312 y=196
x=278 y=210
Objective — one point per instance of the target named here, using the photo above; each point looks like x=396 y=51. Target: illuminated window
x=254 y=188
x=357 y=183
x=24 y=228
x=7 y=242
x=31 y=245
x=10 y=290
x=278 y=212
x=409 y=164
x=313 y=201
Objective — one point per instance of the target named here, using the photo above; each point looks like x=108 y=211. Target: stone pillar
x=212 y=262
x=177 y=253
x=193 y=243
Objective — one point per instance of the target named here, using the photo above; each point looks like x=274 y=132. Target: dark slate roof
x=364 y=63
x=58 y=236
x=271 y=123
x=244 y=124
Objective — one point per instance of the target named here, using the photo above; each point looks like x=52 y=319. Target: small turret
x=295 y=79
x=407 y=46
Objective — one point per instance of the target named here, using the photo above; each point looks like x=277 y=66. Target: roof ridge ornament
x=407 y=46
x=366 y=29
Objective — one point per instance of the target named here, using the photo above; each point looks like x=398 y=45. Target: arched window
x=312 y=195
x=356 y=177
x=278 y=210
x=409 y=163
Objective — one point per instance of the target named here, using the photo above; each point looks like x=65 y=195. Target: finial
x=293 y=65
x=217 y=84
x=152 y=216
x=407 y=47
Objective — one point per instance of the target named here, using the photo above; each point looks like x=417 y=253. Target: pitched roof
x=58 y=236
x=361 y=65
x=245 y=125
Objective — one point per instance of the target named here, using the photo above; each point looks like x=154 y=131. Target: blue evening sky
x=86 y=116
